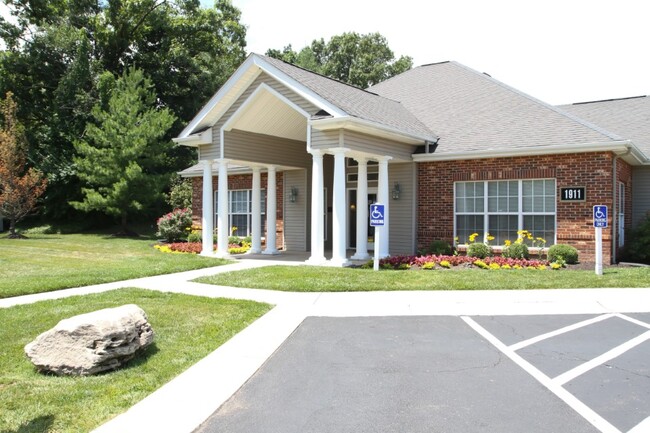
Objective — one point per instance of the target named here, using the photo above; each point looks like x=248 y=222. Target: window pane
x=460 y=204
x=541 y=226
x=492 y=204
x=479 y=205
x=468 y=224
x=460 y=189
x=502 y=227
x=241 y=223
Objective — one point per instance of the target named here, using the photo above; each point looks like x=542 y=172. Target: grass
x=323 y=279
x=44 y=263
x=187 y=329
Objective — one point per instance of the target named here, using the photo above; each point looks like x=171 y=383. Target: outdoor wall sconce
x=293 y=195
x=396 y=191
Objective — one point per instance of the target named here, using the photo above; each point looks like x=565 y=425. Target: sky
x=559 y=51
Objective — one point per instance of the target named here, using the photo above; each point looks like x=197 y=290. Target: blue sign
x=377 y=215
x=600 y=216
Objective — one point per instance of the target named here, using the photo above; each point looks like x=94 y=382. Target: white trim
x=616 y=147
x=195 y=140
x=369 y=127
x=297 y=87
x=217 y=97
x=261 y=88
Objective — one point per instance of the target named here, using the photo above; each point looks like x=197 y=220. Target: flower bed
x=442 y=261
x=196 y=247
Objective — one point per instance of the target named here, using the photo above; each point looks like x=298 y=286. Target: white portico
x=280 y=141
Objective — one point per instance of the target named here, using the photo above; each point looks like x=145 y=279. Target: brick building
x=448 y=150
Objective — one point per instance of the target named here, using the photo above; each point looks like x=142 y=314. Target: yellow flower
x=473 y=237
x=507 y=242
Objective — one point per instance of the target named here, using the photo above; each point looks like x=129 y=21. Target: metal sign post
x=376 y=214
x=600 y=222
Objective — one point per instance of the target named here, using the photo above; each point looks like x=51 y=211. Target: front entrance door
x=352 y=218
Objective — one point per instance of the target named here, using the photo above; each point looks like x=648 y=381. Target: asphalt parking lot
x=501 y=374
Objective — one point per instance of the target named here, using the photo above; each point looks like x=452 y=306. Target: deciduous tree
x=360 y=60
x=20 y=187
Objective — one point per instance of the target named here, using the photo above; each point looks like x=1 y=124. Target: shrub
x=481 y=264
x=440 y=248
x=637 y=244
x=564 y=252
x=194 y=236
x=516 y=251
x=477 y=250
x=175 y=225
x=429 y=265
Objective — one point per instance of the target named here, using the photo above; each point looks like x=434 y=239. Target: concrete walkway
x=184 y=403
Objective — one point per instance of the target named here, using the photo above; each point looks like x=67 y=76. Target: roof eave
x=372 y=128
x=195 y=140
x=627 y=149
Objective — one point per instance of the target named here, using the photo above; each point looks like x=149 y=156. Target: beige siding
x=377 y=146
x=324 y=139
x=266 y=149
x=640 y=194
x=212 y=151
x=295 y=214
x=402 y=212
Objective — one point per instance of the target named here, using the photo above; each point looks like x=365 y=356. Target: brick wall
x=241 y=181
x=574 y=219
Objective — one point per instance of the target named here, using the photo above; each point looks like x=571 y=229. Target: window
x=240 y=211
x=504 y=207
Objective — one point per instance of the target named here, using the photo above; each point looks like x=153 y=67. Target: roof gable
x=336 y=99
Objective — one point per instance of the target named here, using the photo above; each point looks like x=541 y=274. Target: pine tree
x=122 y=156
x=20 y=188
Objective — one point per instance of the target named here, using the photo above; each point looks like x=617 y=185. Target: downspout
x=615 y=203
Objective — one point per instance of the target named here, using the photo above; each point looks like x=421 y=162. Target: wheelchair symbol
x=599 y=213
x=375 y=213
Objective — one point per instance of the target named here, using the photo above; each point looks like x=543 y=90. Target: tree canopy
x=20 y=187
x=57 y=50
x=123 y=155
x=360 y=60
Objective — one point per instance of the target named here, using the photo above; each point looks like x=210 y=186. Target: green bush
x=440 y=248
x=174 y=226
x=637 y=243
x=477 y=250
x=516 y=251
x=564 y=252
x=194 y=236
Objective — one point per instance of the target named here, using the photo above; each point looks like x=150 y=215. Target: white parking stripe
x=642 y=427
x=560 y=331
x=585 y=411
x=599 y=360
x=633 y=320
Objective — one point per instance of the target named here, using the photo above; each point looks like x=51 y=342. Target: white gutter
x=349 y=122
x=614 y=146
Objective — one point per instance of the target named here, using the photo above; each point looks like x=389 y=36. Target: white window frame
x=249 y=212
x=519 y=213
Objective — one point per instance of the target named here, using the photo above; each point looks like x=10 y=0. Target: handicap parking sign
x=376 y=215
x=600 y=216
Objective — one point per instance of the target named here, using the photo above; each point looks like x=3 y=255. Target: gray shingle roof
x=628 y=117
x=471 y=111
x=356 y=102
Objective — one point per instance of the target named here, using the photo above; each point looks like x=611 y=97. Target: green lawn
x=187 y=329
x=44 y=263
x=323 y=279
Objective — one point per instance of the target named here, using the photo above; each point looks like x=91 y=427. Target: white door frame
x=350 y=221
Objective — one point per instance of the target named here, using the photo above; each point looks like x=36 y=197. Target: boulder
x=91 y=343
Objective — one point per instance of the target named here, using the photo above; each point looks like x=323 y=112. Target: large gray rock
x=91 y=343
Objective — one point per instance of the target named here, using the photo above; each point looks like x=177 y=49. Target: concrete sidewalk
x=184 y=403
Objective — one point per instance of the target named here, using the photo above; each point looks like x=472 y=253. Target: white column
x=256 y=211
x=271 y=207
x=317 y=210
x=383 y=197
x=222 y=210
x=207 y=217
x=339 y=220
x=362 y=211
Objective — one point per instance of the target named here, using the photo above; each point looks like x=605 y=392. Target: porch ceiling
x=270 y=116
